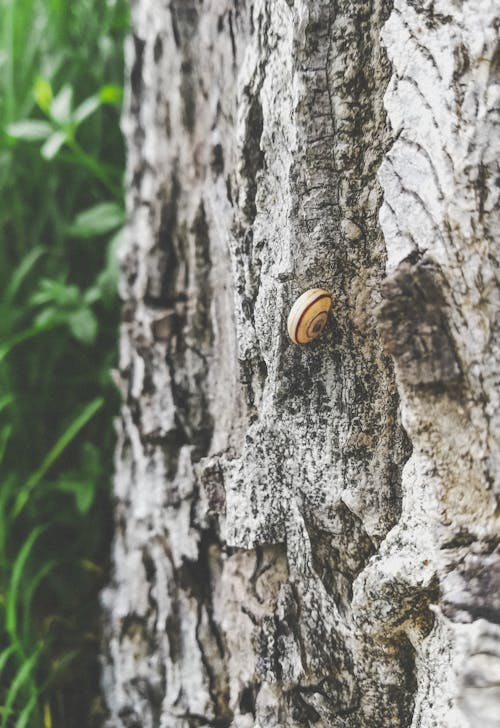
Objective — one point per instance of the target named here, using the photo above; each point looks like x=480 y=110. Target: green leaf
x=61 y=105
x=30 y=130
x=21 y=272
x=54 y=291
x=92 y=295
x=86 y=109
x=85 y=498
x=70 y=433
x=43 y=94
x=53 y=144
x=91 y=459
x=111 y=94
x=47 y=318
x=97 y=220
x=83 y=492
x=105 y=287
x=83 y=325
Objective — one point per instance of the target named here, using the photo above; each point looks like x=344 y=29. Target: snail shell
x=309 y=315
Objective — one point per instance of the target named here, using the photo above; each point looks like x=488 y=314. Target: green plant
x=61 y=211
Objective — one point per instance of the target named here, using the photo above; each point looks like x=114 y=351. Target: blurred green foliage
x=61 y=210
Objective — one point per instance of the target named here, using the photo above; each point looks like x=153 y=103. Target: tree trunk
x=308 y=535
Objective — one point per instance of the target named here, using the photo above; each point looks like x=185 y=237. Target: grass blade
x=4 y=656
x=23 y=674
x=5 y=434
x=25 y=335
x=13 y=588
x=26 y=712
x=30 y=593
x=70 y=433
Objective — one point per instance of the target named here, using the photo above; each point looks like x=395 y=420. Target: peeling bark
x=308 y=536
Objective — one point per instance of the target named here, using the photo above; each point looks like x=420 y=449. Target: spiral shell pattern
x=309 y=315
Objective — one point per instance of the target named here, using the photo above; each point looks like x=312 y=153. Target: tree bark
x=308 y=535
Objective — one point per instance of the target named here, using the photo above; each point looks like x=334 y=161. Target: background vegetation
x=61 y=169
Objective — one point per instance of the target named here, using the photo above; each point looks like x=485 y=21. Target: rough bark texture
x=286 y=554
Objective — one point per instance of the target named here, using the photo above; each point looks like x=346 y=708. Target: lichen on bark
x=285 y=553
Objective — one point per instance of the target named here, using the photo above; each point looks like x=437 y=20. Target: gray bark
x=308 y=536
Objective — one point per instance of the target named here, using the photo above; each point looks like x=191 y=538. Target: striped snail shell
x=308 y=316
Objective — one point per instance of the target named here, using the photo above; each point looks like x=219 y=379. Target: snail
x=308 y=316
